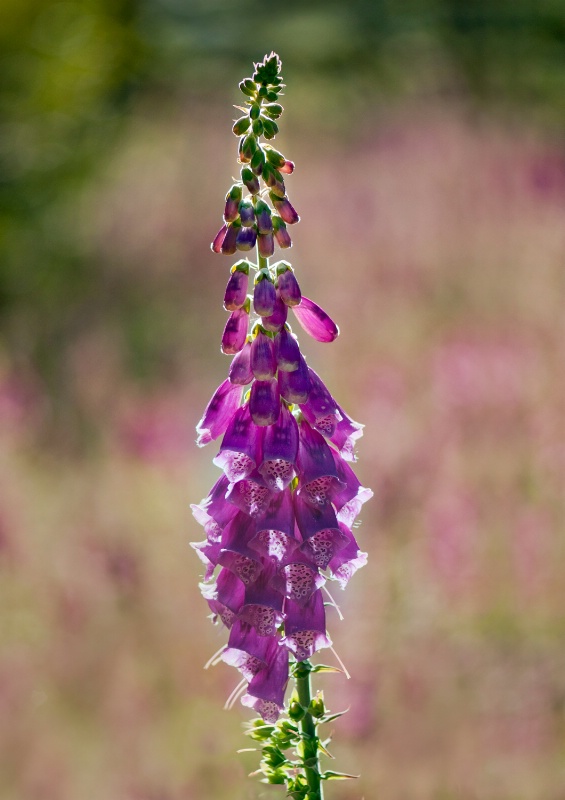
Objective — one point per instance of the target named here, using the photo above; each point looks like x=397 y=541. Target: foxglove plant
x=279 y=520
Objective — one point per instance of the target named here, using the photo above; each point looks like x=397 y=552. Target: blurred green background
x=429 y=143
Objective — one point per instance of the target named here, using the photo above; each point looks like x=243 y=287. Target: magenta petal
x=235 y=332
x=240 y=451
x=280 y=449
x=264 y=296
x=315 y=321
x=277 y=319
x=235 y=553
x=289 y=288
x=263 y=604
x=264 y=402
x=287 y=351
x=225 y=596
x=346 y=433
x=247 y=651
x=295 y=386
x=216 y=507
x=348 y=560
x=275 y=528
x=263 y=361
x=305 y=627
x=317 y=471
x=219 y=239
x=240 y=367
x=320 y=530
x=265 y=692
x=217 y=414
x=321 y=410
x=298 y=579
x=236 y=290
x=250 y=495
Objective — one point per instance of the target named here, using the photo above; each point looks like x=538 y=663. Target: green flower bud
x=270 y=128
x=248 y=148
x=317 y=707
x=248 y=87
x=274 y=157
x=254 y=111
x=273 y=110
x=258 y=161
x=263 y=91
x=272 y=96
x=250 y=180
x=241 y=125
x=257 y=127
x=296 y=712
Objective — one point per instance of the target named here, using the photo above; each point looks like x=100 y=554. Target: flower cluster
x=279 y=520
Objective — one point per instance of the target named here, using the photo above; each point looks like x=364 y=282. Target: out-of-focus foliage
x=77 y=75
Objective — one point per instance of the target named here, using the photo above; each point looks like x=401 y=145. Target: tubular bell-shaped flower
x=278 y=522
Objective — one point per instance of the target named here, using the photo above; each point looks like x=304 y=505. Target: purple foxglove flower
x=236 y=290
x=263 y=604
x=346 y=434
x=287 y=167
x=225 y=597
x=264 y=402
x=240 y=367
x=247 y=651
x=284 y=209
x=217 y=414
x=298 y=579
x=264 y=221
x=263 y=361
x=235 y=553
x=246 y=239
x=287 y=350
x=348 y=560
x=288 y=285
x=266 y=244
x=229 y=242
x=235 y=332
x=275 y=528
x=295 y=386
x=281 y=234
x=246 y=213
x=219 y=239
x=320 y=530
x=240 y=451
x=215 y=511
x=349 y=497
x=265 y=693
x=250 y=495
x=320 y=410
x=264 y=295
x=232 y=202
x=250 y=180
x=315 y=321
x=305 y=627
x=277 y=319
x=280 y=449
x=316 y=467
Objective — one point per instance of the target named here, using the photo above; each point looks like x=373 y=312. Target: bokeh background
x=430 y=151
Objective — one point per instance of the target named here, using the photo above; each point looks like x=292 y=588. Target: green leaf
x=337 y=776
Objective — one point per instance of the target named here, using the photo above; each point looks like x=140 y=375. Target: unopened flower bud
x=248 y=87
x=263 y=214
x=245 y=159
x=248 y=147
x=274 y=157
x=275 y=321
x=228 y=245
x=240 y=367
x=288 y=285
x=273 y=110
x=264 y=402
x=266 y=244
x=235 y=332
x=295 y=711
x=274 y=181
x=287 y=167
x=284 y=208
x=236 y=290
x=287 y=350
x=264 y=294
x=246 y=213
x=257 y=127
x=241 y=125
x=254 y=111
x=281 y=234
x=270 y=128
x=315 y=321
x=263 y=362
x=246 y=239
x=232 y=202
x=250 y=180
x=272 y=96
x=258 y=161
x=219 y=239
x=295 y=386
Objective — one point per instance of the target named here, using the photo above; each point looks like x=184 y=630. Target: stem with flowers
x=279 y=520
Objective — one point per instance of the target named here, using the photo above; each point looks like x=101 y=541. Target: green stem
x=308 y=728
x=262 y=262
